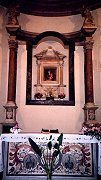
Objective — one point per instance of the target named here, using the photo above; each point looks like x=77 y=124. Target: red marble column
x=89 y=107
x=88 y=30
x=88 y=70
x=12 y=28
x=13 y=45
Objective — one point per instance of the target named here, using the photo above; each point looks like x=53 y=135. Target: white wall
x=67 y=119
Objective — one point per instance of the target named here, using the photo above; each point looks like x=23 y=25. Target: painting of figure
x=50 y=74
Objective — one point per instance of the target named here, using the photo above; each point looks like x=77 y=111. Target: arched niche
x=68 y=46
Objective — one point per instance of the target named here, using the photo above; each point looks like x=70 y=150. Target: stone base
x=89 y=114
x=10 y=115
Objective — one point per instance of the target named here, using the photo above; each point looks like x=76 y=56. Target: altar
x=80 y=157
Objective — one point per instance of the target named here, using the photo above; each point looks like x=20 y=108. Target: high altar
x=80 y=157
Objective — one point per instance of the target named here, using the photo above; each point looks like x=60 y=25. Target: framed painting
x=50 y=74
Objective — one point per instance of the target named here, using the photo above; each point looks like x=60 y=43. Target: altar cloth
x=41 y=138
x=37 y=137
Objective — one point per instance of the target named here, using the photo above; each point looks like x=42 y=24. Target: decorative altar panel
x=77 y=159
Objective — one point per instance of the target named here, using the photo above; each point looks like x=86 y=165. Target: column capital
x=88 y=43
x=13 y=43
x=38 y=62
x=61 y=63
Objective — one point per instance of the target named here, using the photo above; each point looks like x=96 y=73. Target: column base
x=89 y=114
x=10 y=115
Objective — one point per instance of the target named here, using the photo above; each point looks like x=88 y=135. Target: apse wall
x=31 y=118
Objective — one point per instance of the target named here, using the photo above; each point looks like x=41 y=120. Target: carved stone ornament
x=13 y=12
x=13 y=43
x=10 y=113
x=88 y=44
x=88 y=27
x=50 y=73
x=88 y=19
x=90 y=113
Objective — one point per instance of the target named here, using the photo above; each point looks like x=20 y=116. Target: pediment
x=50 y=53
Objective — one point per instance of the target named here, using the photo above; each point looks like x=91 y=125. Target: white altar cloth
x=69 y=138
x=37 y=137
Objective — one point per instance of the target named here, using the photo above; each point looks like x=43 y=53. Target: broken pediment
x=50 y=53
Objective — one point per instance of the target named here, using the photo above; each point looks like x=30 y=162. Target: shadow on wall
x=97 y=58
x=3 y=61
x=97 y=62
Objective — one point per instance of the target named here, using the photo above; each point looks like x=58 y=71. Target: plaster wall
x=67 y=119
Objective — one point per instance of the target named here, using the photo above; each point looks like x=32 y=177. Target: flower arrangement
x=38 y=95
x=49 y=156
x=15 y=129
x=93 y=130
x=61 y=95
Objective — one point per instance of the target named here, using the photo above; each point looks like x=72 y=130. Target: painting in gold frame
x=50 y=74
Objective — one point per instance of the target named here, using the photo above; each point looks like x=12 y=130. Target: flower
x=93 y=130
x=38 y=95
x=15 y=129
x=49 y=155
x=61 y=95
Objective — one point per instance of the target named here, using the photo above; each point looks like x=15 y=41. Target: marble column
x=89 y=107
x=71 y=71
x=88 y=70
x=13 y=45
x=11 y=97
x=88 y=30
x=29 y=72
x=12 y=28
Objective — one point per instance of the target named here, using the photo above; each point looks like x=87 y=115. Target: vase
x=49 y=176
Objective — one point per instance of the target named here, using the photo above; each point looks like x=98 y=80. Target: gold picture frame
x=50 y=74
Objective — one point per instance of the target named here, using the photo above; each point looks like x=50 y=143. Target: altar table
x=80 y=157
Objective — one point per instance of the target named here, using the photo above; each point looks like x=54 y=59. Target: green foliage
x=35 y=147
x=53 y=150
x=49 y=145
x=60 y=138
